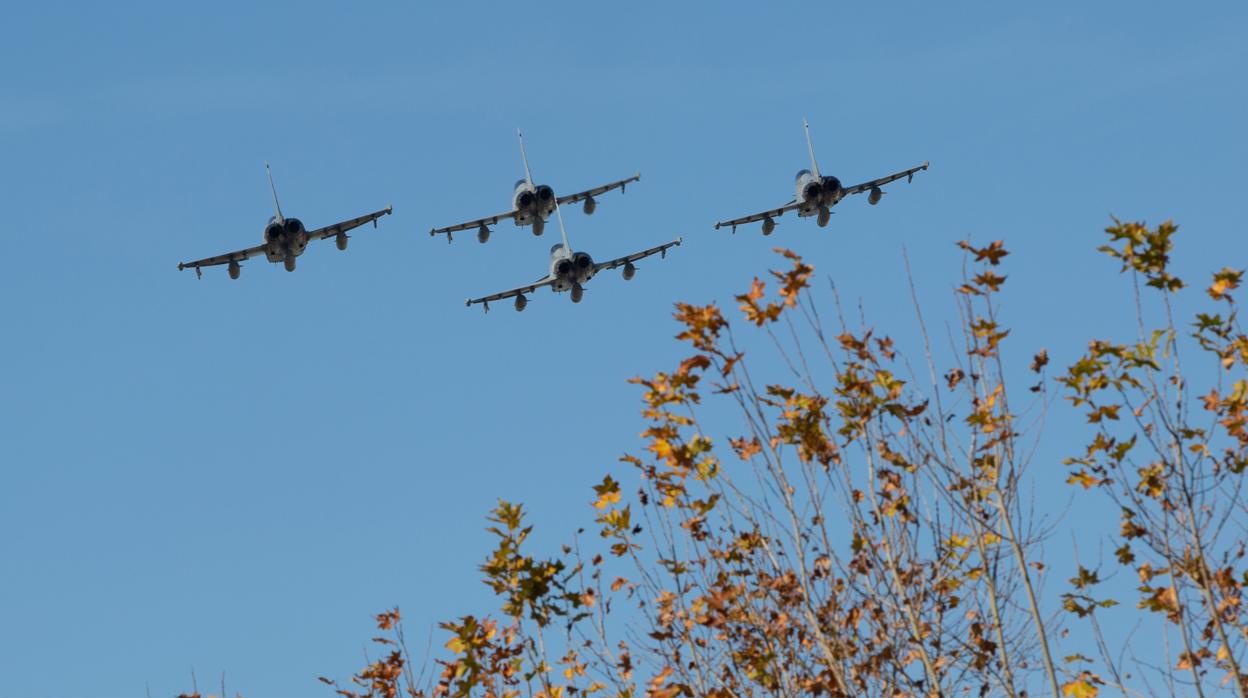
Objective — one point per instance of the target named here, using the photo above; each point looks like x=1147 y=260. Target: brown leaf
x=1040 y=361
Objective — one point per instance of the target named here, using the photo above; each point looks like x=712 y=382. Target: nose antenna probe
x=276 y=205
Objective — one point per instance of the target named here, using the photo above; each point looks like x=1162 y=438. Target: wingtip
x=389 y=209
x=925 y=164
x=717 y=225
x=680 y=239
x=181 y=266
x=467 y=302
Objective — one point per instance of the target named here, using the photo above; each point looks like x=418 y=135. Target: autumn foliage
x=866 y=525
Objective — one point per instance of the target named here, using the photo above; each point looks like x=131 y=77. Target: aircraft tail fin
x=276 y=205
x=810 y=148
x=527 y=174
x=562 y=230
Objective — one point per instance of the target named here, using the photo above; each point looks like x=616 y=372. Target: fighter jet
x=284 y=239
x=569 y=271
x=817 y=194
x=532 y=204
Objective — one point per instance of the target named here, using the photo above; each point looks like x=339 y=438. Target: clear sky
x=199 y=474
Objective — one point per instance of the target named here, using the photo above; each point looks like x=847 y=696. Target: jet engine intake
x=525 y=200
x=564 y=267
x=629 y=271
x=812 y=191
x=545 y=193
x=874 y=197
x=293 y=226
x=521 y=302
x=590 y=205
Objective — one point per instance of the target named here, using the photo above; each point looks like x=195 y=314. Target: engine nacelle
x=768 y=225
x=578 y=292
x=584 y=265
x=545 y=194
x=234 y=269
x=524 y=200
x=341 y=241
x=874 y=197
x=812 y=192
x=483 y=234
x=824 y=216
x=563 y=267
x=293 y=226
x=629 y=271
x=589 y=206
x=521 y=302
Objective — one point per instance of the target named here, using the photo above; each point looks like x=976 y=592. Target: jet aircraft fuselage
x=532 y=204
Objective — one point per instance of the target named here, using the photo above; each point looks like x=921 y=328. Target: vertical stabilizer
x=527 y=174
x=810 y=148
x=276 y=205
x=562 y=230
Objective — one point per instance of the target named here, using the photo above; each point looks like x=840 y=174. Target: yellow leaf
x=1079 y=689
x=608 y=493
x=1082 y=478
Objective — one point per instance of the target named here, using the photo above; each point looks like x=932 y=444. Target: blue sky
x=197 y=474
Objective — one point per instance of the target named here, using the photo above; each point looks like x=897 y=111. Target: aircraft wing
x=867 y=186
x=332 y=230
x=226 y=258
x=596 y=191
x=661 y=249
x=487 y=221
x=773 y=213
x=485 y=300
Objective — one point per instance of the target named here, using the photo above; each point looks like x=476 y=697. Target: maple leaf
x=608 y=493
x=989 y=280
x=1040 y=361
x=1223 y=282
x=386 y=621
x=1080 y=688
